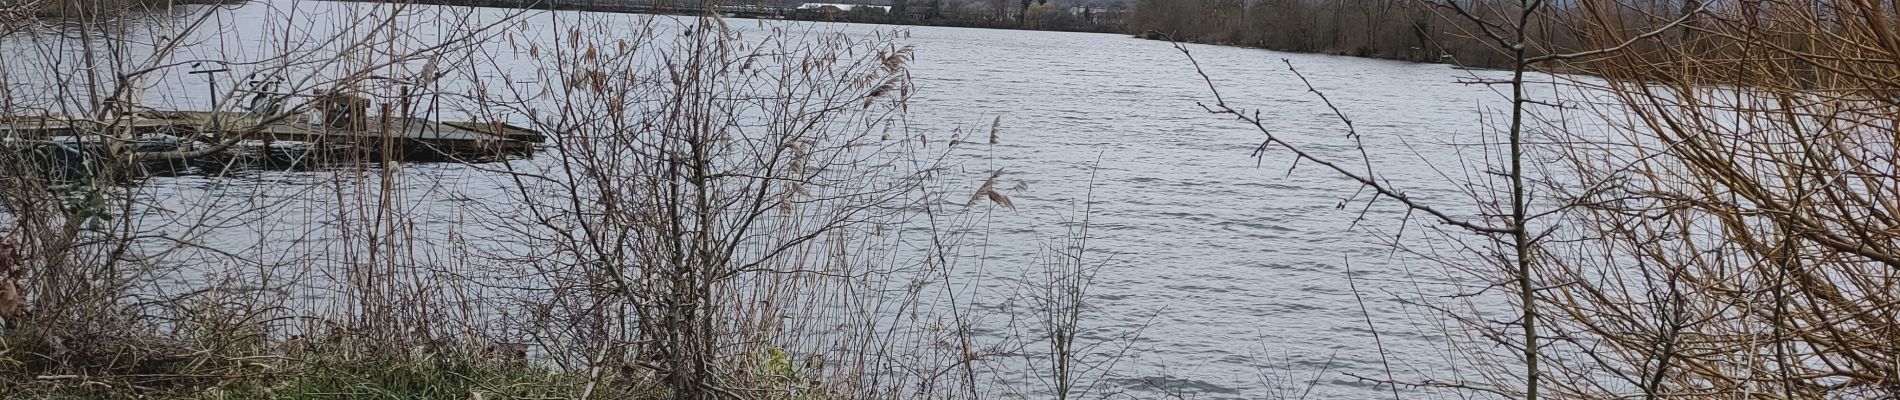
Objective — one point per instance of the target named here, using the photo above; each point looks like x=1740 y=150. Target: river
x=1235 y=265
x=1243 y=259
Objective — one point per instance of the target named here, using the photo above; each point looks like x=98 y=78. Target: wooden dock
x=408 y=138
x=697 y=7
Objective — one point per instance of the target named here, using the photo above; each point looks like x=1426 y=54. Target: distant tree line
x=1414 y=30
x=1054 y=15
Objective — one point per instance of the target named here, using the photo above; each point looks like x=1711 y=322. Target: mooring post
x=212 y=81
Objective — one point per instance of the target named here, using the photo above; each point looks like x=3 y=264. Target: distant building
x=839 y=11
x=840 y=7
x=1098 y=15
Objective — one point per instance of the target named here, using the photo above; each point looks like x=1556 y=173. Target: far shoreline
x=1115 y=29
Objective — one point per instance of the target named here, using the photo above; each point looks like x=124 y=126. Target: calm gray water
x=1235 y=267
x=1244 y=263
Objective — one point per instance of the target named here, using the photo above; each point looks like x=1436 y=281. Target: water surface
x=1231 y=266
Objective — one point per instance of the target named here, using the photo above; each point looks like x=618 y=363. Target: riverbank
x=1418 y=54
x=1043 y=22
x=327 y=374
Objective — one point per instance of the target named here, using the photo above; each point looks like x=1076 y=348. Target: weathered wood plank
x=411 y=134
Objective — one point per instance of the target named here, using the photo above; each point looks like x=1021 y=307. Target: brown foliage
x=1752 y=242
x=12 y=295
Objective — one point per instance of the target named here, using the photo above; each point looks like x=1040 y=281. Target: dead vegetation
x=743 y=213
x=722 y=212
x=1726 y=234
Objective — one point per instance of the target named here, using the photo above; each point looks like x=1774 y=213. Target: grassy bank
x=58 y=358
x=334 y=375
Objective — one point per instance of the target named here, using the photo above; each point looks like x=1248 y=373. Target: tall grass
x=721 y=212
